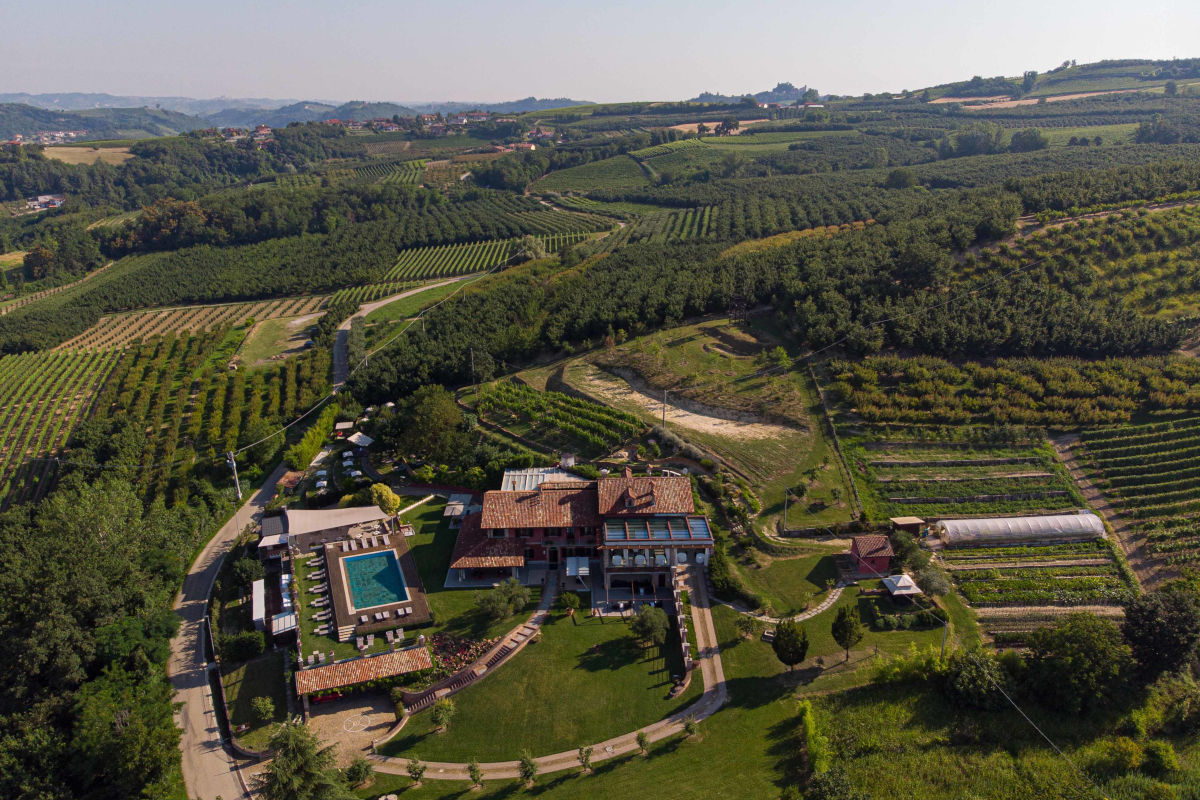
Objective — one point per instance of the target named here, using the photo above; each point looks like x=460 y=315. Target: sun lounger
x=388 y=635
x=370 y=639
x=360 y=643
x=320 y=601
x=321 y=657
x=363 y=619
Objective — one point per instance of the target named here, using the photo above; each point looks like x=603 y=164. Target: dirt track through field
x=1148 y=571
x=617 y=391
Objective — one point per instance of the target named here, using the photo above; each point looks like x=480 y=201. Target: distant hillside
x=309 y=111
x=69 y=101
x=782 y=93
x=1072 y=78
x=509 y=107
x=100 y=123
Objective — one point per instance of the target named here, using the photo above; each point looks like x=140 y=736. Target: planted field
x=555 y=420
x=409 y=172
x=689 y=223
x=1146 y=260
x=1015 y=589
x=179 y=391
x=618 y=172
x=42 y=397
x=1021 y=391
x=24 y=300
x=620 y=209
x=668 y=148
x=115 y=220
x=461 y=259
x=369 y=292
x=1152 y=472
x=89 y=155
x=296 y=181
x=932 y=478
x=121 y=329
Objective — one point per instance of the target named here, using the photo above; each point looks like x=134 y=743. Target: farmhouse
x=998 y=531
x=633 y=532
x=872 y=554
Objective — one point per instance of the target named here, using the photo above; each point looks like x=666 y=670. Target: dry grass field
x=89 y=155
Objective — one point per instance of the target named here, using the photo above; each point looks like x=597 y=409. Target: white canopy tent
x=901 y=586
x=1076 y=527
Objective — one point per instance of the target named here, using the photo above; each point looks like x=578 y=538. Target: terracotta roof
x=873 y=546
x=361 y=670
x=573 y=505
x=625 y=496
x=474 y=549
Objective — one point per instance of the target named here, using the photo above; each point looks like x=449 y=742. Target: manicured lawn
x=585 y=681
x=260 y=677
x=271 y=337
x=747 y=750
x=789 y=585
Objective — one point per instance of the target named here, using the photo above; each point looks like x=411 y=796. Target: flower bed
x=453 y=653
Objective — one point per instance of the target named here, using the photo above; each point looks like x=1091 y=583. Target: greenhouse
x=1004 y=530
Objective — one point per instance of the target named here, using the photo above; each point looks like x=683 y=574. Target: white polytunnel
x=1076 y=527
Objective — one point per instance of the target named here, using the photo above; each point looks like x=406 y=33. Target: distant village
x=47 y=137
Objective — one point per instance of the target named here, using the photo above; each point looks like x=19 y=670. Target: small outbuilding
x=907 y=524
x=901 y=586
x=872 y=554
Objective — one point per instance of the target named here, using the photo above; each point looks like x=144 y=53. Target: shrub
x=1114 y=757
x=650 y=625
x=264 y=708
x=358 y=771
x=505 y=600
x=241 y=646
x=974 y=680
x=1159 y=758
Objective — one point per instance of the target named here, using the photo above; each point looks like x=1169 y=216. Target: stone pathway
x=715 y=695
x=834 y=594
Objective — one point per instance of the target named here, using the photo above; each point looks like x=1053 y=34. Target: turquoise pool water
x=375 y=579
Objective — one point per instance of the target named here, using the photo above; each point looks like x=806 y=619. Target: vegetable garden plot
x=1152 y=472
x=931 y=479
x=42 y=398
x=556 y=420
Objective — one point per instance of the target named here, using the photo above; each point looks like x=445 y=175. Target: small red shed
x=872 y=554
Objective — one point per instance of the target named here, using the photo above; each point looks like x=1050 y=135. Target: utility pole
x=233 y=466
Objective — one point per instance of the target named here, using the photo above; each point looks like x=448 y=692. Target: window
x=496 y=533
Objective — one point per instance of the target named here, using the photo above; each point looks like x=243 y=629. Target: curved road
x=209 y=770
x=341 y=366
x=715 y=695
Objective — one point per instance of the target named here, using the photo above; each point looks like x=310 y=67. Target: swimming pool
x=375 y=579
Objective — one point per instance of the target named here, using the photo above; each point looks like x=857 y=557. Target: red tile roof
x=474 y=549
x=361 y=670
x=873 y=546
x=625 y=496
x=572 y=506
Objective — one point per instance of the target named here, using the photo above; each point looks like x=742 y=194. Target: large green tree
x=1079 y=663
x=790 y=643
x=300 y=768
x=1162 y=628
x=847 y=629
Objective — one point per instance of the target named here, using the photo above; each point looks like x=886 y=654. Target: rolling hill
x=100 y=123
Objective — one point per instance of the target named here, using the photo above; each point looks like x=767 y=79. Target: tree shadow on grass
x=611 y=764
x=404 y=743
x=610 y=655
x=787 y=745
x=558 y=780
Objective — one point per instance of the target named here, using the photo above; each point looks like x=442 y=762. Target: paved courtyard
x=352 y=722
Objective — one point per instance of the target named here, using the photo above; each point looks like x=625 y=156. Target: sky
x=602 y=50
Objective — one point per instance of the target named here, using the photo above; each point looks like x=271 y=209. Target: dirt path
x=1148 y=573
x=619 y=392
x=715 y=695
x=834 y=594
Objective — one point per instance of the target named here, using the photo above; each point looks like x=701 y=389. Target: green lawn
x=381 y=321
x=789 y=585
x=260 y=677
x=618 y=172
x=585 y=681
x=272 y=337
x=747 y=750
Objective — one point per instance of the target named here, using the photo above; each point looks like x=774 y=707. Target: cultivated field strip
x=461 y=259
x=371 y=291
x=121 y=329
x=407 y=172
x=1016 y=588
x=959 y=478
x=668 y=148
x=42 y=397
x=13 y=305
x=1152 y=473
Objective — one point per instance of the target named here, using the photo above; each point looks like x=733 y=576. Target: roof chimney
x=628 y=473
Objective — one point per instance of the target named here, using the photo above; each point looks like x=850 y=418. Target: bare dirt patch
x=89 y=155
x=730 y=424
x=1031 y=101
x=352 y=722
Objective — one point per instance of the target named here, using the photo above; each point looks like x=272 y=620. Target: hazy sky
x=600 y=50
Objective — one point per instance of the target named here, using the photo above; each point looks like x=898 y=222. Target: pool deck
x=346 y=616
